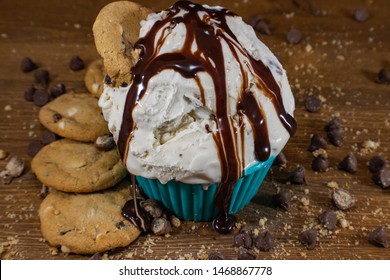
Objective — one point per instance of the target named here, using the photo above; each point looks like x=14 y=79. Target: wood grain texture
x=337 y=59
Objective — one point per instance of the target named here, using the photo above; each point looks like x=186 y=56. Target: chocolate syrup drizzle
x=208 y=32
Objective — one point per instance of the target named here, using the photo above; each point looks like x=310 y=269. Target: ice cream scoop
x=208 y=99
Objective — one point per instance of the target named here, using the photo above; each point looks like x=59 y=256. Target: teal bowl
x=194 y=203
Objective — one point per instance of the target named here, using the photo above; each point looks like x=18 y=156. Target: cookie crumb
x=369 y=146
x=53 y=251
x=15 y=166
x=175 y=221
x=3 y=154
x=332 y=185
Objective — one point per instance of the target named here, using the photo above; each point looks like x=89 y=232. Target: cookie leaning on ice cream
x=115 y=31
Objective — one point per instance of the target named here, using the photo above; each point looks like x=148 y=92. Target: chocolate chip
x=378 y=237
x=283 y=200
x=40 y=97
x=245 y=254
x=243 y=239
x=333 y=124
x=382 y=178
x=313 y=103
x=15 y=166
x=360 y=14
x=120 y=225
x=34 y=147
x=259 y=24
x=280 y=159
x=216 y=256
x=343 y=199
x=56 y=117
x=105 y=142
x=320 y=163
x=328 y=219
x=308 y=238
x=297 y=176
x=264 y=242
x=124 y=84
x=262 y=27
x=42 y=77
x=57 y=90
x=335 y=132
x=293 y=36
x=27 y=65
x=107 y=80
x=29 y=93
x=376 y=163
x=383 y=76
x=336 y=137
x=253 y=19
x=153 y=207
x=48 y=137
x=349 y=163
x=76 y=63
x=317 y=142
x=160 y=226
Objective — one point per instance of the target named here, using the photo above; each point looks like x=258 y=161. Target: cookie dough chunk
x=115 y=30
x=72 y=166
x=75 y=116
x=87 y=223
x=94 y=77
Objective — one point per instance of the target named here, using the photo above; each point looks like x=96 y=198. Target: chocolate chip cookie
x=75 y=116
x=73 y=166
x=94 y=77
x=116 y=29
x=87 y=223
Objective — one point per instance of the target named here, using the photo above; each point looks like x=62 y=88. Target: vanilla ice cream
x=208 y=99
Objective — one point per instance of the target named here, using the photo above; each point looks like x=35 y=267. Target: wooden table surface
x=337 y=59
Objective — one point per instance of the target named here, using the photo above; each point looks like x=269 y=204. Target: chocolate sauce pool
x=207 y=32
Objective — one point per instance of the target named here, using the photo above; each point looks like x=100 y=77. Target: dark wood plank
x=338 y=59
